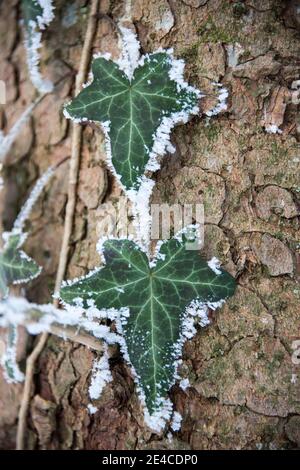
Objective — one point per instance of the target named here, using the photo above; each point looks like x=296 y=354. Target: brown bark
x=244 y=388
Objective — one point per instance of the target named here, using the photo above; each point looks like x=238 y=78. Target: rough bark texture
x=244 y=388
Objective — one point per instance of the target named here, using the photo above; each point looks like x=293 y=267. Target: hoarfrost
x=92 y=409
x=214 y=265
x=6 y=141
x=101 y=375
x=34 y=195
x=222 y=101
x=48 y=13
x=12 y=373
x=176 y=421
x=130 y=55
x=184 y=384
x=273 y=129
x=33 y=44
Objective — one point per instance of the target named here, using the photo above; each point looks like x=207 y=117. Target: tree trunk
x=244 y=388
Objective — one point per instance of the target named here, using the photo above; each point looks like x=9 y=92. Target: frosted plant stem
x=6 y=141
x=71 y=333
x=33 y=197
x=35 y=193
x=73 y=176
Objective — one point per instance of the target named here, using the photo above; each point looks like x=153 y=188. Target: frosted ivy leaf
x=9 y=363
x=159 y=297
x=31 y=10
x=37 y=15
x=15 y=266
x=138 y=101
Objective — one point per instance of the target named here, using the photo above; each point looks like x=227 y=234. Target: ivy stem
x=71 y=333
x=70 y=210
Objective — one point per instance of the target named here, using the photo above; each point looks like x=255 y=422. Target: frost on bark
x=244 y=390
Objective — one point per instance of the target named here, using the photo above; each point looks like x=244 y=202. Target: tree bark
x=244 y=388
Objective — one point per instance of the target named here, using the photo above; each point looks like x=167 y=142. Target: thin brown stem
x=70 y=333
x=30 y=365
x=70 y=210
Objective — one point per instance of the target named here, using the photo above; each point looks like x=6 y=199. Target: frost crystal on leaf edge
x=33 y=42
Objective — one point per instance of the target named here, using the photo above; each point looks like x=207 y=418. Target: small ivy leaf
x=9 y=363
x=37 y=15
x=137 y=105
x=15 y=266
x=163 y=298
x=31 y=11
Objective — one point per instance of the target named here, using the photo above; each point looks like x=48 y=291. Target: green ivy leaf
x=157 y=297
x=31 y=11
x=8 y=361
x=136 y=111
x=15 y=266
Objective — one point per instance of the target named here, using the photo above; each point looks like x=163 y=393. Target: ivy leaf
x=15 y=266
x=31 y=11
x=137 y=108
x=158 y=297
x=8 y=361
x=37 y=13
